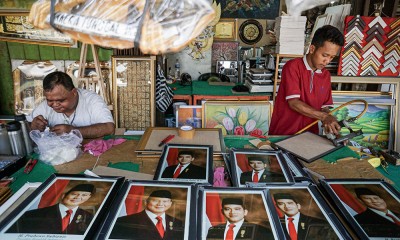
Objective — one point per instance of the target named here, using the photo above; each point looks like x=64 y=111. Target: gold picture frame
x=15 y=27
x=134 y=92
x=226 y=30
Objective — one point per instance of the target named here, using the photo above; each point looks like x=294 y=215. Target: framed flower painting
x=237 y=117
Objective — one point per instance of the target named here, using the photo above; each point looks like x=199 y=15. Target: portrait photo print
x=70 y=206
x=258 y=167
x=151 y=210
x=237 y=213
x=185 y=163
x=372 y=206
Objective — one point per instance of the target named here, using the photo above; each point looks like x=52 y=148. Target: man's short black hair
x=278 y=196
x=264 y=159
x=327 y=33
x=186 y=152
x=364 y=191
x=85 y=187
x=161 y=194
x=235 y=201
x=57 y=78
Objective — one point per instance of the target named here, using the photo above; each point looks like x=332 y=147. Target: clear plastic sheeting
x=57 y=149
x=166 y=25
x=295 y=7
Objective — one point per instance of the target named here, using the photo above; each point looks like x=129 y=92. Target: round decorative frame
x=250 y=31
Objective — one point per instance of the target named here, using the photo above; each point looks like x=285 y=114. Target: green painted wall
x=13 y=50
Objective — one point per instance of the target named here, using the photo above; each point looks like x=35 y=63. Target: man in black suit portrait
x=377 y=220
x=236 y=227
x=260 y=172
x=299 y=226
x=185 y=169
x=63 y=218
x=152 y=223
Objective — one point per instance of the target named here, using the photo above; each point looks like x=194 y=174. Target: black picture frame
x=343 y=195
x=183 y=202
x=83 y=226
x=200 y=172
x=259 y=223
x=276 y=172
x=316 y=218
x=298 y=172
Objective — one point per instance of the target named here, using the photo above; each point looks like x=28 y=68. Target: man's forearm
x=97 y=130
x=306 y=110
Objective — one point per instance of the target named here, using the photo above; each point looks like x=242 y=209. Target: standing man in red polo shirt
x=305 y=93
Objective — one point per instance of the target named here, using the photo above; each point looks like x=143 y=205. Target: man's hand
x=331 y=125
x=39 y=123
x=61 y=128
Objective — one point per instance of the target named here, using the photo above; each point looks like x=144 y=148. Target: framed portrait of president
x=303 y=207
x=259 y=167
x=63 y=207
x=242 y=213
x=185 y=163
x=152 y=210
x=370 y=206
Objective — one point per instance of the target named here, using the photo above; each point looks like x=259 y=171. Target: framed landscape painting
x=237 y=117
x=377 y=123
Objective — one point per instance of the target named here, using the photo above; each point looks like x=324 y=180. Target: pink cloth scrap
x=99 y=146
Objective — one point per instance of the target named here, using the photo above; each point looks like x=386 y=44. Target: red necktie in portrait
x=229 y=233
x=178 y=171
x=292 y=229
x=393 y=218
x=255 y=177
x=65 y=220
x=160 y=227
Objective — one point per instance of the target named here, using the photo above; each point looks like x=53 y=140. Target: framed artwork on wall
x=10 y=7
x=249 y=9
x=225 y=30
x=16 y=28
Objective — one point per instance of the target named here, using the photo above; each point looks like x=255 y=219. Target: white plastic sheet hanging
x=166 y=25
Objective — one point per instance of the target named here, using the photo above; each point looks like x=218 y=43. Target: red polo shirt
x=311 y=87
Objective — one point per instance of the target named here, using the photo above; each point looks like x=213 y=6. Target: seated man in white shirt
x=67 y=108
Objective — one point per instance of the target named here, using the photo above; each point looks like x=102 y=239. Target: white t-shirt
x=91 y=109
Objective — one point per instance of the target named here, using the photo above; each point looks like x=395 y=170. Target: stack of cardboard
x=290 y=34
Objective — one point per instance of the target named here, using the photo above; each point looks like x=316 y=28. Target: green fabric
x=181 y=90
x=203 y=88
x=40 y=173
x=125 y=166
x=393 y=175
x=127 y=137
x=340 y=153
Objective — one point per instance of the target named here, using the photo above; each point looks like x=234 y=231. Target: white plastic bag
x=57 y=149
